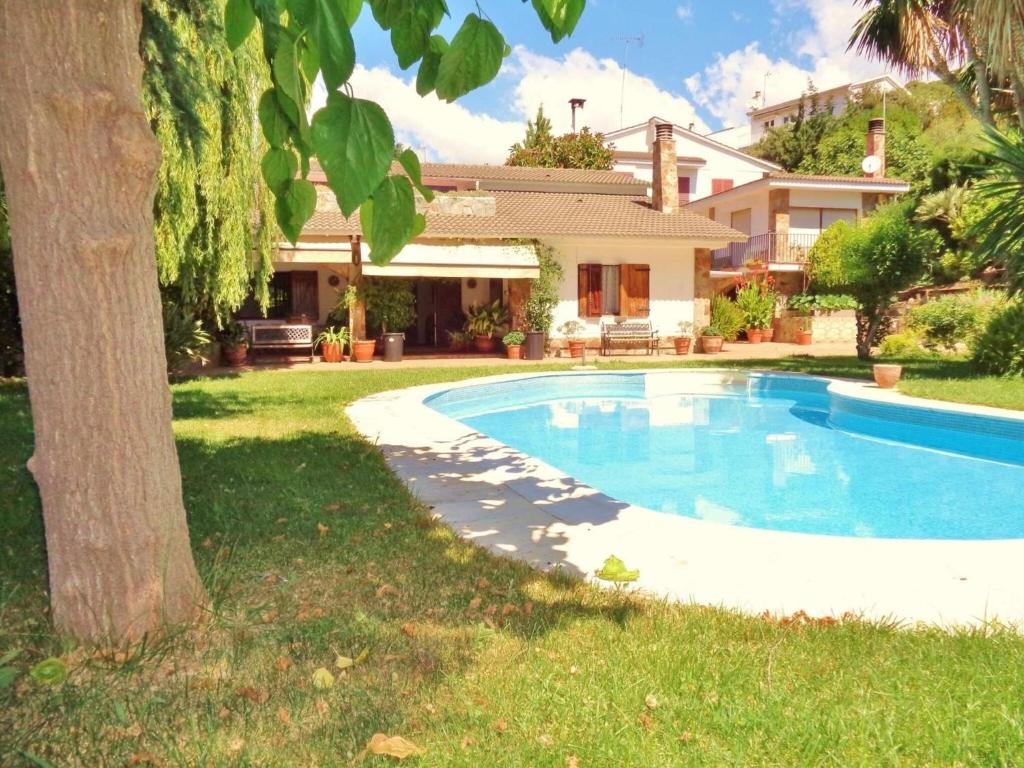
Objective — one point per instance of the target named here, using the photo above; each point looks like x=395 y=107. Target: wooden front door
x=447 y=310
x=305 y=295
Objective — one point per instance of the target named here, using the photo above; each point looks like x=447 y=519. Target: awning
x=456 y=261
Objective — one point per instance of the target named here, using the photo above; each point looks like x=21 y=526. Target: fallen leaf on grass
x=363 y=656
x=545 y=740
x=482 y=583
x=224 y=713
x=467 y=741
x=268 y=617
x=142 y=758
x=501 y=726
x=474 y=604
x=409 y=629
x=343 y=662
x=646 y=721
x=51 y=671
x=686 y=737
x=236 y=744
x=322 y=678
x=322 y=707
x=527 y=609
x=334 y=506
x=615 y=570
x=253 y=695
x=282 y=520
x=283 y=716
x=307 y=612
x=283 y=663
x=507 y=608
x=572 y=762
x=390 y=746
x=386 y=589
x=207 y=543
x=651 y=701
x=322 y=529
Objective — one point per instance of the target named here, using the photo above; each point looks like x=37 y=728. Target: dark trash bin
x=535 y=345
x=394 y=344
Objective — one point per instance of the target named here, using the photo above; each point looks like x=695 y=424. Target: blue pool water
x=778 y=452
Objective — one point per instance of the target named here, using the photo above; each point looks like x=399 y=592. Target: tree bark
x=867 y=328
x=80 y=162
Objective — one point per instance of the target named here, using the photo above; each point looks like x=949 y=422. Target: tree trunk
x=867 y=327
x=79 y=162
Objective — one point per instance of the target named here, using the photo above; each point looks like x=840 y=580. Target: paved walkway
x=732 y=352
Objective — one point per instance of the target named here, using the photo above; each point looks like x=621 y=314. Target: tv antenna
x=638 y=41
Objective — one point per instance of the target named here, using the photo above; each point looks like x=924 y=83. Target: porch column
x=357 y=312
x=518 y=293
x=778 y=223
x=702 y=288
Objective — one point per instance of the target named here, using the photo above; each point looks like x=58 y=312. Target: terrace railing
x=769 y=247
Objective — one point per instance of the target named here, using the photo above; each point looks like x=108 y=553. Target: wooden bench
x=282 y=336
x=629 y=334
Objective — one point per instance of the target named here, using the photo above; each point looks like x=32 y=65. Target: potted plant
x=804 y=335
x=757 y=302
x=886 y=374
x=513 y=342
x=685 y=338
x=458 y=341
x=485 y=320
x=711 y=339
x=234 y=341
x=542 y=301
x=572 y=330
x=390 y=304
x=332 y=343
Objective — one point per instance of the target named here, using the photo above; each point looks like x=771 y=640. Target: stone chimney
x=876 y=145
x=666 y=173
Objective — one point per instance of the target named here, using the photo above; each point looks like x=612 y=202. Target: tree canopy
x=541 y=149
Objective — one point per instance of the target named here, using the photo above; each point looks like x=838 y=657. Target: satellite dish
x=871 y=164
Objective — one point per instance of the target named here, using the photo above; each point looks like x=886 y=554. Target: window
x=618 y=289
x=720 y=185
x=684 y=190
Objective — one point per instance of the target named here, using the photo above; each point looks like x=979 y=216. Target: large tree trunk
x=79 y=162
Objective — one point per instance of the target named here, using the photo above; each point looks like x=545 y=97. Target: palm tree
x=1001 y=230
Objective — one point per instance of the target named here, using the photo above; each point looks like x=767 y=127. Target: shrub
x=513 y=338
x=905 y=344
x=823 y=302
x=999 y=350
x=726 y=317
x=757 y=302
x=185 y=339
x=950 y=321
x=390 y=304
x=540 y=306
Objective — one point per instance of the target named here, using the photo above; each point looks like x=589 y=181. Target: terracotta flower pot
x=362 y=351
x=754 y=335
x=483 y=344
x=236 y=354
x=683 y=345
x=803 y=338
x=331 y=352
x=767 y=334
x=887 y=375
x=711 y=345
x=575 y=348
x=515 y=351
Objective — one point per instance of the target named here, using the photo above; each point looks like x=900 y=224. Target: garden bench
x=282 y=336
x=629 y=334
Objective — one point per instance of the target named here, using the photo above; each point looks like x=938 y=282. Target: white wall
x=672 y=273
x=757 y=202
x=481 y=294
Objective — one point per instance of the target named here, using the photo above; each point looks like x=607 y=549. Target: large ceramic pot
x=576 y=347
x=754 y=335
x=767 y=334
x=483 y=344
x=514 y=351
x=362 y=351
x=887 y=375
x=331 y=352
x=236 y=354
x=683 y=345
x=803 y=338
x=711 y=345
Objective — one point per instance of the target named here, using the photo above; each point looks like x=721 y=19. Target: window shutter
x=720 y=185
x=684 y=190
x=636 y=290
x=583 y=289
x=594 y=300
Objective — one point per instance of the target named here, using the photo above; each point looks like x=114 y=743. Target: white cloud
x=453 y=133
x=684 y=12
x=726 y=87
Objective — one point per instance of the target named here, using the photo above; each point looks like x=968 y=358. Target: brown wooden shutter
x=583 y=289
x=684 y=190
x=305 y=295
x=635 y=294
x=720 y=185
x=589 y=290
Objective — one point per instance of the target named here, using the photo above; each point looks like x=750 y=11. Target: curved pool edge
x=518 y=506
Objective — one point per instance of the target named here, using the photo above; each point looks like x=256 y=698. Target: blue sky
x=701 y=61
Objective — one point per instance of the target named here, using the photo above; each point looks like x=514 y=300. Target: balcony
x=769 y=247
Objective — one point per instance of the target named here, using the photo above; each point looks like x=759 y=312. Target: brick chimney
x=876 y=145
x=666 y=173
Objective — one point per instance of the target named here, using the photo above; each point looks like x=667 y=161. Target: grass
x=310 y=549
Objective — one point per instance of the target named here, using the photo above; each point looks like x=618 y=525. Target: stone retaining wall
x=825 y=326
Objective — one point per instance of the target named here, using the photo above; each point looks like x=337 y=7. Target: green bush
x=390 y=304
x=951 y=321
x=726 y=317
x=823 y=302
x=905 y=344
x=999 y=350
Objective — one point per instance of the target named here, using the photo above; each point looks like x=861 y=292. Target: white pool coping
x=518 y=506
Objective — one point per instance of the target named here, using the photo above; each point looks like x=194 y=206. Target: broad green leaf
x=615 y=570
x=427 y=75
x=286 y=71
x=343 y=662
x=10 y=656
x=559 y=17
x=355 y=143
x=239 y=19
x=295 y=207
x=410 y=36
x=411 y=164
x=388 y=12
x=278 y=167
x=334 y=42
x=351 y=9
x=309 y=61
x=7 y=676
x=419 y=226
x=473 y=58
x=51 y=671
x=322 y=678
x=272 y=119
x=392 y=219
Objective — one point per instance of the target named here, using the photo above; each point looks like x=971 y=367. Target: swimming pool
x=770 y=451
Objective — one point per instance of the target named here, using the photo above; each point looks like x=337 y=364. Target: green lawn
x=310 y=549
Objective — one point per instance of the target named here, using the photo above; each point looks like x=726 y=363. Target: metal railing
x=769 y=247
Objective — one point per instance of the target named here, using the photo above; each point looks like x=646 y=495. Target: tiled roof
x=842 y=179
x=546 y=214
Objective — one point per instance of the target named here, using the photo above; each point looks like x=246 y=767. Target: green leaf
x=37 y=761
x=473 y=58
x=278 y=167
x=559 y=17
x=295 y=207
x=334 y=42
x=355 y=143
x=51 y=671
x=411 y=164
x=419 y=226
x=410 y=36
x=351 y=9
x=239 y=19
x=387 y=13
x=615 y=570
x=10 y=656
x=286 y=71
x=272 y=119
x=391 y=221
x=427 y=75
x=8 y=675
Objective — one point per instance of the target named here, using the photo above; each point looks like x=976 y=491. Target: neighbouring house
x=784 y=213
x=703 y=167
x=625 y=253
x=763 y=117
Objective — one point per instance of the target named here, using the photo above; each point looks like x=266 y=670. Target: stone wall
x=469 y=203
x=825 y=326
